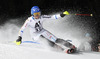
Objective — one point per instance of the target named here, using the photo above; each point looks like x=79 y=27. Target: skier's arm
x=55 y=16
x=18 y=41
x=47 y=17
x=23 y=28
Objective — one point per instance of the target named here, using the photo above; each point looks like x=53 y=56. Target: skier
x=36 y=29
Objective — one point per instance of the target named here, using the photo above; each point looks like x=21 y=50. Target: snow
x=66 y=30
x=22 y=52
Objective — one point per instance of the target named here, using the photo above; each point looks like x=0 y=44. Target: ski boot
x=71 y=50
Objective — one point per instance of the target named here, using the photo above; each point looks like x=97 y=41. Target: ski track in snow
x=9 y=50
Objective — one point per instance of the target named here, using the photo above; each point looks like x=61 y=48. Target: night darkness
x=21 y=8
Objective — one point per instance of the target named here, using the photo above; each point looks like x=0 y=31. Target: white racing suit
x=36 y=30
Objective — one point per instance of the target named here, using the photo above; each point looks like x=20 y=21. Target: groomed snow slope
x=25 y=52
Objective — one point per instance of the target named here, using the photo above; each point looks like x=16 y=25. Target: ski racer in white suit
x=36 y=29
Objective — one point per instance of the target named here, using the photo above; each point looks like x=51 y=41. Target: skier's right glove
x=64 y=13
x=19 y=40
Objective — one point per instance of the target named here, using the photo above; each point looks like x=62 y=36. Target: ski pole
x=67 y=13
x=85 y=14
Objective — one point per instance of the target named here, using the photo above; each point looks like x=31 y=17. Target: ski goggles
x=37 y=14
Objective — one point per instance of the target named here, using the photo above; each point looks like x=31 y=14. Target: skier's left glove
x=19 y=40
x=64 y=13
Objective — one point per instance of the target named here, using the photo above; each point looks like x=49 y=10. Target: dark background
x=21 y=8
x=15 y=8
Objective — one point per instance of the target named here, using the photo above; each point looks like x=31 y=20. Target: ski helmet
x=35 y=9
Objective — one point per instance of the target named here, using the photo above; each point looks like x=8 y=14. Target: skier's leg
x=50 y=38
x=52 y=45
x=66 y=44
x=58 y=41
x=46 y=34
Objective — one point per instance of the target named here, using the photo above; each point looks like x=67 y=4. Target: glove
x=64 y=13
x=19 y=40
